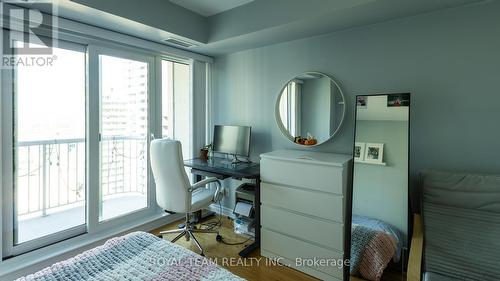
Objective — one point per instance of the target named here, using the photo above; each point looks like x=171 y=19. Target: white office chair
x=174 y=193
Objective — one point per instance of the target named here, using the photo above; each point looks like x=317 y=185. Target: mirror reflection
x=379 y=230
x=310 y=109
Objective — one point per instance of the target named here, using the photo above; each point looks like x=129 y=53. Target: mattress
x=136 y=256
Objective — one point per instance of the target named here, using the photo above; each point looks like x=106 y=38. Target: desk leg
x=255 y=245
x=197 y=215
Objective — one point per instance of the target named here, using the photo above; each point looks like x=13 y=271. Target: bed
x=374 y=244
x=135 y=256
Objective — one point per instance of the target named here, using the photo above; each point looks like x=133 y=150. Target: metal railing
x=52 y=173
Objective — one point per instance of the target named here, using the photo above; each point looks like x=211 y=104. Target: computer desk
x=221 y=168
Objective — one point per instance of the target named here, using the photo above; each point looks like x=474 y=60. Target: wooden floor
x=388 y=276
x=254 y=267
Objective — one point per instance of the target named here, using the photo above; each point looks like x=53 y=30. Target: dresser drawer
x=312 y=176
x=291 y=249
x=319 y=204
x=329 y=234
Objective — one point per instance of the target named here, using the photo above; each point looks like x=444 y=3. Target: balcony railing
x=52 y=173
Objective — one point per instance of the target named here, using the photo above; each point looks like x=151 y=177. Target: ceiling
x=208 y=8
x=217 y=27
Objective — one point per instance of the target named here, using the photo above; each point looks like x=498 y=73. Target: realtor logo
x=29 y=32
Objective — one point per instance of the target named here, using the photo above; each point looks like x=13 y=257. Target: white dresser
x=303 y=197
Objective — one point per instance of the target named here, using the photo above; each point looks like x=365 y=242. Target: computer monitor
x=233 y=140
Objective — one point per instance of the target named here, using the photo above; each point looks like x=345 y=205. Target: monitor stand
x=235 y=160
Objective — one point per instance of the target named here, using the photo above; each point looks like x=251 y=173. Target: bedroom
x=76 y=152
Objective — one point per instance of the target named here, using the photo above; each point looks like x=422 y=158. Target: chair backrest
x=461 y=215
x=172 y=183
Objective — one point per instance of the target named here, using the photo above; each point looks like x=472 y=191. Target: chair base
x=188 y=231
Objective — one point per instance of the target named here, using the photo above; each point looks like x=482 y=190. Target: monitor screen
x=232 y=140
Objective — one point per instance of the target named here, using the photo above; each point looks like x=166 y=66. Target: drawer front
x=325 y=233
x=323 y=205
x=293 y=249
x=316 y=177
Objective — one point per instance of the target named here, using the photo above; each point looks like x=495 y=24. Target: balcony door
x=75 y=141
x=47 y=122
x=124 y=134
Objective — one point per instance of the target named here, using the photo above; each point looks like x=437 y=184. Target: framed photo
x=374 y=152
x=359 y=151
x=397 y=100
x=361 y=101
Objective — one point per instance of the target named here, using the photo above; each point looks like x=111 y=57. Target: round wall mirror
x=310 y=109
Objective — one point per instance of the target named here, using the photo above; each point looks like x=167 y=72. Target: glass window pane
x=167 y=117
x=283 y=107
x=293 y=109
x=124 y=127
x=49 y=154
x=176 y=117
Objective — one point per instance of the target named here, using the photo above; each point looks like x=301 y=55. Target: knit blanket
x=136 y=256
x=371 y=252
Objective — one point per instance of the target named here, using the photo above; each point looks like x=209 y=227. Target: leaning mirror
x=379 y=221
x=310 y=109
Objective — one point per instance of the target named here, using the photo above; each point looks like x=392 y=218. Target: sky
x=51 y=99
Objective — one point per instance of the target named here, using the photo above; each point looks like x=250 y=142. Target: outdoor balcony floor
x=116 y=205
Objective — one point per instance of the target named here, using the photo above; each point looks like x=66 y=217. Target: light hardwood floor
x=254 y=267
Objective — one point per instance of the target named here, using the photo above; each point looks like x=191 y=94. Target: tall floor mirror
x=379 y=224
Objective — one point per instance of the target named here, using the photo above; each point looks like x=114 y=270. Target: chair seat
x=201 y=198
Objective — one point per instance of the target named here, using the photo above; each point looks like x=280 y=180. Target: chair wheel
x=218 y=238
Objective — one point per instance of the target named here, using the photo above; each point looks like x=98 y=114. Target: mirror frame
x=279 y=122
x=350 y=192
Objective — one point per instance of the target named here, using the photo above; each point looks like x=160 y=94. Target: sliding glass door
x=75 y=141
x=49 y=147
x=124 y=136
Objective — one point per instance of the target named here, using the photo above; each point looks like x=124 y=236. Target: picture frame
x=398 y=100
x=362 y=102
x=359 y=151
x=374 y=153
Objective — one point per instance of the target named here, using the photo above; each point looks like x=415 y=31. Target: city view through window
x=50 y=138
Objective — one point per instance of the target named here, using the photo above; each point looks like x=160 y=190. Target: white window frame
x=8 y=246
x=94 y=37
x=292 y=93
x=159 y=103
x=94 y=223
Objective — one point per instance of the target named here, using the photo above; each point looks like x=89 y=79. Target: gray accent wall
x=449 y=60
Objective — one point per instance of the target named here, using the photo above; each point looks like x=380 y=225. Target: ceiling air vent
x=179 y=42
